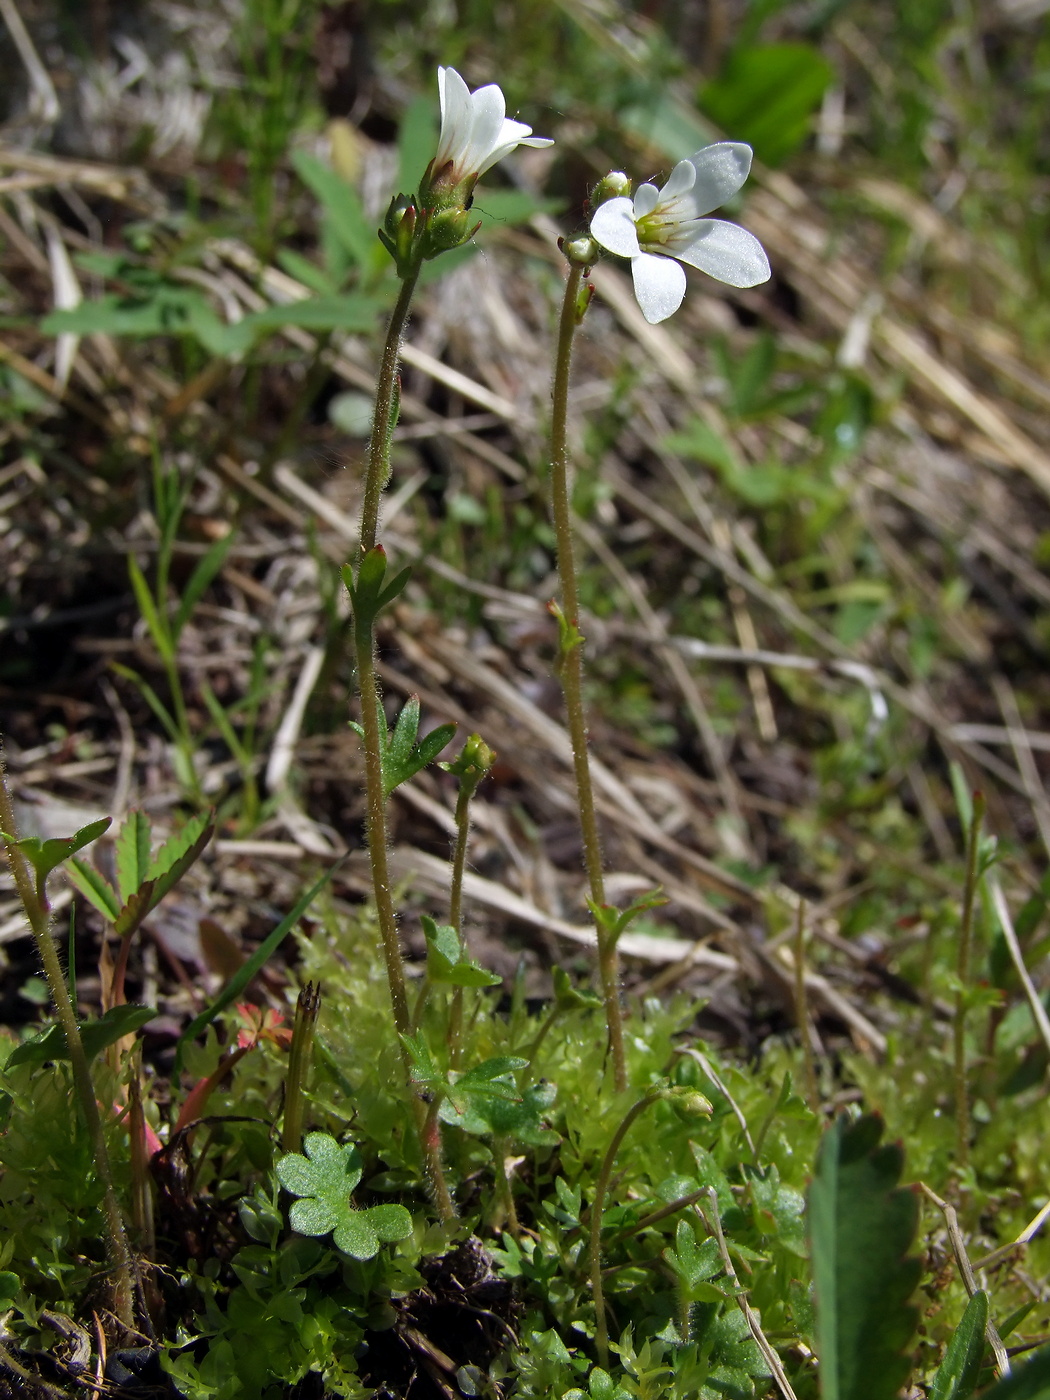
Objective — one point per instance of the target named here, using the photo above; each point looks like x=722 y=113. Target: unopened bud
x=614 y=186
x=399 y=232
x=582 y=251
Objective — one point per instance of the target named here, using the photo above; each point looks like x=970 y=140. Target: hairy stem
x=378 y=472
x=572 y=668
x=376 y=476
x=34 y=901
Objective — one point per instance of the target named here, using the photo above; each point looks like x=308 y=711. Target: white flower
x=658 y=227
x=475 y=129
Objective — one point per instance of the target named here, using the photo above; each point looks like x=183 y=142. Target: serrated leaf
x=1029 y=1382
x=178 y=853
x=958 y=1373
x=861 y=1228
x=133 y=845
x=45 y=856
x=94 y=886
x=96 y=1035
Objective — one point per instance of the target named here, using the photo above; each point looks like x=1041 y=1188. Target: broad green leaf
x=45 y=856
x=133 y=854
x=510 y=1113
x=861 y=1228
x=306 y=272
x=1030 y=1381
x=96 y=1035
x=416 y=142
x=324 y=1179
x=957 y=1374
x=767 y=94
x=341 y=205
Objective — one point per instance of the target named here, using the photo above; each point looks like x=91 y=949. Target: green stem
x=601 y=1333
x=34 y=901
x=572 y=668
x=962 y=1099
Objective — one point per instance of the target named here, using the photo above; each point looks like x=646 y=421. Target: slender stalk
x=34 y=901
x=307 y=1006
x=802 y=1011
x=378 y=471
x=455 y=915
x=376 y=476
x=962 y=1098
x=601 y=1333
x=572 y=667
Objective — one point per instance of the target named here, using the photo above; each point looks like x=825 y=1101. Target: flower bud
x=582 y=251
x=615 y=185
x=399 y=231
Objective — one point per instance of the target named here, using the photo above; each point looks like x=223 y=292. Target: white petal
x=682 y=179
x=613 y=227
x=489 y=109
x=720 y=171
x=512 y=134
x=646 y=198
x=456 y=114
x=659 y=285
x=726 y=252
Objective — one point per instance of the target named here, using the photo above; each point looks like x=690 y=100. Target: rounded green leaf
x=312 y=1217
x=390 y=1222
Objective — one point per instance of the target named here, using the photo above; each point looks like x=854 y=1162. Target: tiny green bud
x=398 y=234
x=614 y=186
x=582 y=251
x=690 y=1101
x=474 y=761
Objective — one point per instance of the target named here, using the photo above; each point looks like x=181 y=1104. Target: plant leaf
x=133 y=854
x=94 y=886
x=958 y=1373
x=45 y=856
x=1029 y=1382
x=324 y=1180
x=861 y=1227
x=118 y=1022
x=237 y=983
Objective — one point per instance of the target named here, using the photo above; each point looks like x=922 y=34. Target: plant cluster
x=422 y=1185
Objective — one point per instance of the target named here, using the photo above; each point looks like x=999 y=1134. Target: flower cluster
x=475 y=133
x=662 y=228
x=658 y=230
